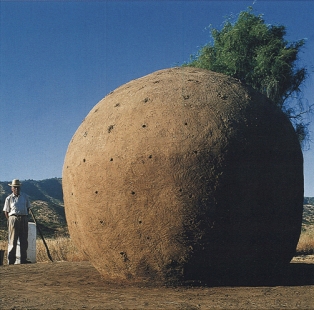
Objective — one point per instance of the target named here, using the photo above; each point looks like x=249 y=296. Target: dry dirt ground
x=78 y=285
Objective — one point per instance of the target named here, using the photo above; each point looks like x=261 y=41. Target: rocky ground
x=78 y=285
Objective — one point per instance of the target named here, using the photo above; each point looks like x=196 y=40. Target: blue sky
x=60 y=58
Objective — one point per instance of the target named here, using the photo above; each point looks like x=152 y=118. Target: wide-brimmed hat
x=15 y=182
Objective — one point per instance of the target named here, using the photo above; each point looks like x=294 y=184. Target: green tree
x=258 y=55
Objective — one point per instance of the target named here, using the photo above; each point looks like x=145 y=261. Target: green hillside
x=47 y=205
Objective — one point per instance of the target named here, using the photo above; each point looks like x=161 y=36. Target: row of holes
x=111 y=127
x=150 y=156
x=133 y=193
x=111 y=159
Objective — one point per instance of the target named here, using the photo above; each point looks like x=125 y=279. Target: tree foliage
x=258 y=55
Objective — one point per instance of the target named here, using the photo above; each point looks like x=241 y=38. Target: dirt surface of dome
x=184 y=174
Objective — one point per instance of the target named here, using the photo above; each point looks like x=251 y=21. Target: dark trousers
x=18 y=229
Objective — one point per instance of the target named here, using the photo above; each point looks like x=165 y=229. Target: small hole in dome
x=110 y=128
x=96 y=192
x=133 y=193
x=111 y=159
x=143 y=125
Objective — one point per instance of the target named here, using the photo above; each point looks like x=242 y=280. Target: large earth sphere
x=184 y=174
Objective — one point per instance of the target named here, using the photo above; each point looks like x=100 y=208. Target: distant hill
x=309 y=201
x=49 y=190
x=47 y=204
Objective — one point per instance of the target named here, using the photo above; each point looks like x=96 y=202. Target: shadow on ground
x=294 y=274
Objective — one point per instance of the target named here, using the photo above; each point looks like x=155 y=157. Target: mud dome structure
x=180 y=174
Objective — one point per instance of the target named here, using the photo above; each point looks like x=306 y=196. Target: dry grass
x=306 y=242
x=63 y=249
x=60 y=248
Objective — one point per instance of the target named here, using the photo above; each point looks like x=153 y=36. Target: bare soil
x=78 y=285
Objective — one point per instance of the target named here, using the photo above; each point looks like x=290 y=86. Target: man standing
x=16 y=208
